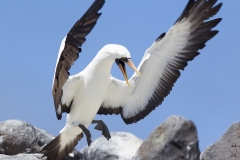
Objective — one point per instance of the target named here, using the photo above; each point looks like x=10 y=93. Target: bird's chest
x=88 y=100
x=96 y=88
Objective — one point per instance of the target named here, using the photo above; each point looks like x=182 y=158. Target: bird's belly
x=86 y=103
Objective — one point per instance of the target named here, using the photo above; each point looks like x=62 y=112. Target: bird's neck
x=100 y=66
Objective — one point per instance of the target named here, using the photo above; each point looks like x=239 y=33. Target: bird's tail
x=62 y=145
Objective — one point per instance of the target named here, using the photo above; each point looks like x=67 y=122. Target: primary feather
x=161 y=63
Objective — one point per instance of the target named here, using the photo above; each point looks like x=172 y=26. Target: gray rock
x=174 y=139
x=227 y=147
x=35 y=156
x=21 y=137
x=21 y=157
x=122 y=146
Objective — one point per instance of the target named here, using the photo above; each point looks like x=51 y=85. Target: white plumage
x=88 y=88
x=135 y=98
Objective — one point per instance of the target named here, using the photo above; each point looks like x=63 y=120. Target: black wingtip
x=213 y=11
x=184 y=13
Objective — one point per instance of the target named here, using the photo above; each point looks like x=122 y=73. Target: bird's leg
x=101 y=126
x=87 y=133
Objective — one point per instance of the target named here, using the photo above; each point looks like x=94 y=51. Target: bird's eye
x=124 y=59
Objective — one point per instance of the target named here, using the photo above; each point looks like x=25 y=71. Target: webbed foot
x=101 y=126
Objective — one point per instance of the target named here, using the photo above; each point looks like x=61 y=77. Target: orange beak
x=122 y=67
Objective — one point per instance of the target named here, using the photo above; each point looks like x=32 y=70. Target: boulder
x=121 y=146
x=174 y=139
x=21 y=157
x=227 y=147
x=36 y=156
x=21 y=137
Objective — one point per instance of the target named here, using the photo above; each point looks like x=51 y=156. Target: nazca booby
x=94 y=91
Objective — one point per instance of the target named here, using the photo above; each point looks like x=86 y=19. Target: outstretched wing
x=161 y=63
x=69 y=52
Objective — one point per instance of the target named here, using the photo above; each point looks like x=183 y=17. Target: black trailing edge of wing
x=196 y=12
x=74 y=40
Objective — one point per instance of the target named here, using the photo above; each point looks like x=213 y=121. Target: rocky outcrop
x=227 y=147
x=122 y=146
x=21 y=157
x=174 y=139
x=36 y=156
x=21 y=137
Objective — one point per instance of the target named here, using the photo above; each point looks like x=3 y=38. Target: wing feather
x=69 y=53
x=161 y=63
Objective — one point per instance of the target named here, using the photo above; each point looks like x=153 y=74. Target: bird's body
x=90 y=88
x=94 y=91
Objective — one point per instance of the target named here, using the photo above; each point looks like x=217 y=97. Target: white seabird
x=94 y=91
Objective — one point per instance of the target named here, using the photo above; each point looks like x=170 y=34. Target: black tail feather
x=54 y=150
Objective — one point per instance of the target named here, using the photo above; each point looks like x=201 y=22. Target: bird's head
x=122 y=56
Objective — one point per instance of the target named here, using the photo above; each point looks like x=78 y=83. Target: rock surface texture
x=122 y=146
x=21 y=157
x=35 y=156
x=174 y=139
x=21 y=137
x=227 y=147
